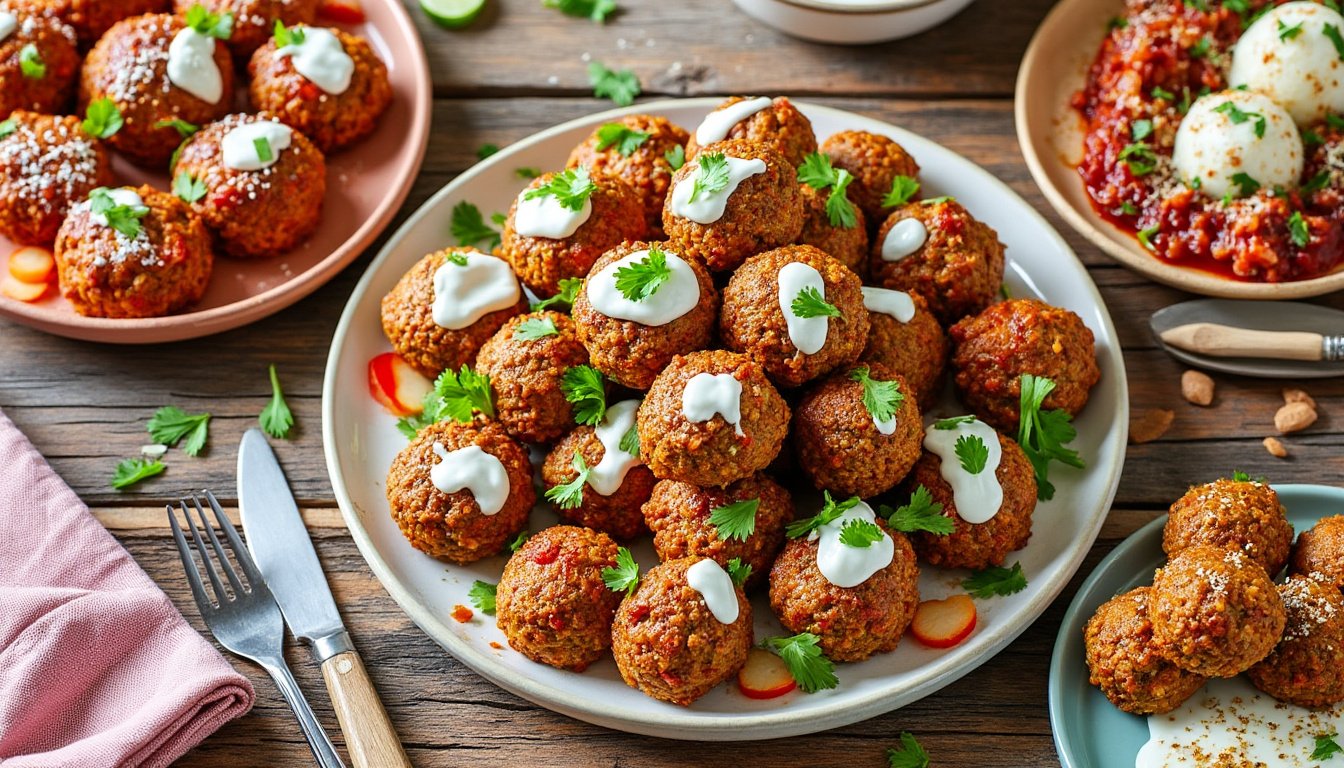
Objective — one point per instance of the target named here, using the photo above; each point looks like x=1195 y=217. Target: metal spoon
x=1272 y=316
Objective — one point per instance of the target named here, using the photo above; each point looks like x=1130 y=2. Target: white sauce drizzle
x=121 y=196
x=846 y=566
x=718 y=123
x=711 y=394
x=716 y=587
x=321 y=59
x=808 y=334
x=191 y=65
x=885 y=426
x=674 y=298
x=906 y=237
x=979 y=496
x=897 y=304
x=708 y=207
x=473 y=469
x=8 y=23
x=607 y=476
x=546 y=217
x=240 y=144
x=463 y=295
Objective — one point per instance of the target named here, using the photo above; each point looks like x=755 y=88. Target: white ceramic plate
x=361 y=440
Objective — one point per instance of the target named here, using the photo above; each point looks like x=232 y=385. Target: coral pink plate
x=366 y=184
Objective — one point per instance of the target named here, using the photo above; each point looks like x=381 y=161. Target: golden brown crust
x=55 y=43
x=1123 y=661
x=1319 y=551
x=779 y=126
x=47 y=165
x=918 y=350
x=526 y=375
x=646 y=170
x=1245 y=516
x=1306 y=668
x=617 y=514
x=874 y=161
x=253 y=20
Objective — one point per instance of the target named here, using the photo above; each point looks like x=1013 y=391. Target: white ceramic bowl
x=852 y=22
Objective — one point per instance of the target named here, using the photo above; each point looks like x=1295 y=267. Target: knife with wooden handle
x=279 y=542
x=1228 y=341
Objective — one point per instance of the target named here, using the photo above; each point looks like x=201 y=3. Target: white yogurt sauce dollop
x=192 y=67
x=716 y=588
x=713 y=394
x=979 y=496
x=121 y=196
x=546 y=217
x=8 y=23
x=465 y=294
x=719 y=122
x=808 y=334
x=240 y=144
x=321 y=59
x=883 y=301
x=846 y=566
x=903 y=239
x=674 y=298
x=472 y=469
x=606 y=477
x=709 y=206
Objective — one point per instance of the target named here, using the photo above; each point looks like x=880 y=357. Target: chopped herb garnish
x=469 y=228
x=597 y=10
x=125 y=219
x=1331 y=31
x=1297 y=230
x=570 y=495
x=1141 y=129
x=810 y=303
x=996 y=582
x=564 y=299
x=456 y=258
x=1043 y=434
x=860 y=534
x=184 y=129
x=736 y=520
x=625 y=576
x=455 y=396
x=8 y=126
x=881 y=398
x=817 y=172
x=188 y=187
x=1326 y=746
x=1117 y=22
x=482 y=595
x=1145 y=236
x=1238 y=116
x=953 y=422
x=1246 y=185
x=216 y=25
x=624 y=138
x=131 y=471
x=921 y=514
x=972 y=453
x=586 y=391
x=287 y=35
x=938 y=200
x=571 y=188
x=519 y=540
x=102 y=118
x=711 y=175
x=630 y=441
x=640 y=279
x=527 y=172
x=808 y=665
x=621 y=87
x=276 y=418
x=263 y=147
x=1200 y=49
x=1139 y=157
x=738 y=571
x=486 y=150
x=1287 y=32
x=902 y=189
x=675 y=157
x=170 y=424
x=910 y=755
x=1311 y=138
x=1195 y=182
x=1162 y=93
x=831 y=510
x=1128 y=208
x=534 y=328
x=1316 y=183
x=30 y=62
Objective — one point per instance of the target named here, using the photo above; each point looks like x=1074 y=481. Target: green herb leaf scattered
x=903 y=188
x=625 y=576
x=30 y=62
x=276 y=418
x=597 y=10
x=910 y=755
x=921 y=514
x=131 y=471
x=621 y=87
x=570 y=495
x=170 y=424
x=625 y=139
x=1043 y=434
x=738 y=571
x=585 y=389
x=972 y=453
x=564 y=300
x=802 y=655
x=482 y=595
x=470 y=229
x=860 y=534
x=736 y=520
x=571 y=188
x=535 y=328
x=881 y=398
x=711 y=175
x=810 y=303
x=831 y=511
x=641 y=279
x=102 y=118
x=188 y=188
x=996 y=582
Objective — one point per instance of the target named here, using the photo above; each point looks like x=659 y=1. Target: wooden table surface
x=519 y=69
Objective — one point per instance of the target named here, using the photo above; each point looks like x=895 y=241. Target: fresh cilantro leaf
x=102 y=118
x=860 y=534
x=184 y=129
x=640 y=279
x=597 y=10
x=8 y=126
x=630 y=441
x=1043 y=434
x=810 y=303
x=736 y=520
x=839 y=210
x=831 y=510
x=1199 y=5
x=816 y=171
x=569 y=290
x=1246 y=185
x=711 y=175
x=519 y=540
x=464 y=393
x=1287 y=32
x=624 y=577
x=921 y=514
x=1331 y=31
x=276 y=418
x=953 y=422
x=285 y=36
x=1238 y=116
x=1326 y=746
x=188 y=188
x=1145 y=236
x=1128 y=208
x=1316 y=183
x=808 y=665
x=1239 y=476
x=996 y=582
x=216 y=25
x=535 y=328
x=1159 y=92
x=625 y=139
x=586 y=390
x=902 y=189
x=570 y=495
x=972 y=453
x=469 y=228
x=1297 y=230
x=621 y=87
x=30 y=62
x=1141 y=129
x=881 y=398
x=125 y=219
x=675 y=157
x=486 y=150
x=170 y=424
x=482 y=595
x=527 y=172
x=1200 y=49
x=571 y=188
x=910 y=755
x=738 y=571
x=1139 y=157
x=131 y=471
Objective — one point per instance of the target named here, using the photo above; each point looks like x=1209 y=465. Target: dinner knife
x=1228 y=341
x=279 y=542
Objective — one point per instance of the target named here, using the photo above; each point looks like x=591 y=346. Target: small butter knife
x=1228 y=341
x=1272 y=339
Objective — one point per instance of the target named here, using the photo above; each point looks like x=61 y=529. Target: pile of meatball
x=800 y=421
x=174 y=108
x=1214 y=610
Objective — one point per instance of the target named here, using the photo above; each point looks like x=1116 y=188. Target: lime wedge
x=452 y=14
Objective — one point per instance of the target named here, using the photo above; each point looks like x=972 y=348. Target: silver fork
x=245 y=619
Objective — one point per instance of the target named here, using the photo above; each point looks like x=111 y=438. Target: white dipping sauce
x=846 y=566
x=240 y=144
x=708 y=207
x=906 y=237
x=719 y=122
x=321 y=59
x=121 y=196
x=475 y=470
x=979 y=496
x=606 y=477
x=191 y=65
x=716 y=587
x=897 y=304
x=8 y=23
x=546 y=217
x=674 y=298
x=463 y=295
x=808 y=334
x=711 y=394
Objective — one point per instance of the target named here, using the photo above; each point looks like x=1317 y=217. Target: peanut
x=1295 y=395
x=1275 y=447
x=1197 y=387
x=1294 y=417
x=1149 y=425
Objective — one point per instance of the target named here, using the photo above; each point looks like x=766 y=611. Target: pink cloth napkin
x=97 y=668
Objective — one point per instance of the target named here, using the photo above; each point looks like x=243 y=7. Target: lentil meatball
x=551 y=602
x=977 y=545
x=678 y=514
x=753 y=319
x=129 y=65
x=852 y=623
x=1306 y=668
x=91 y=18
x=47 y=164
x=525 y=374
x=764 y=211
x=331 y=120
x=1125 y=664
x=669 y=645
x=542 y=262
x=254 y=20
x=959 y=267
x=645 y=168
x=848 y=245
x=408 y=321
x=1319 y=551
x=451 y=526
x=1214 y=611
x=48 y=84
x=779 y=126
x=838 y=442
x=715 y=451
x=874 y=161
x=617 y=514
x=917 y=349
x=162 y=268
x=993 y=349
x=1232 y=514
x=632 y=353
x=255 y=213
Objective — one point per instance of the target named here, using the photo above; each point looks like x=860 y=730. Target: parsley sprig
x=860 y=534
x=216 y=25
x=640 y=279
x=810 y=303
x=624 y=577
x=996 y=582
x=1326 y=747
x=817 y=172
x=570 y=495
x=1246 y=184
x=534 y=328
x=831 y=510
x=457 y=396
x=921 y=514
x=902 y=189
x=623 y=137
x=910 y=755
x=675 y=157
x=711 y=175
x=953 y=422
x=188 y=187
x=738 y=571
x=469 y=227
x=276 y=418
x=586 y=390
x=131 y=471
x=170 y=424
x=630 y=441
x=285 y=36
x=736 y=520
x=30 y=62
x=482 y=595
x=1043 y=434
x=519 y=540
x=808 y=665
x=881 y=398
x=125 y=219
x=597 y=10
x=571 y=188
x=1238 y=116
x=564 y=299
x=1297 y=230
x=620 y=86
x=972 y=453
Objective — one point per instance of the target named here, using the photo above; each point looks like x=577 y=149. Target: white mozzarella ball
x=1233 y=137
x=1290 y=54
